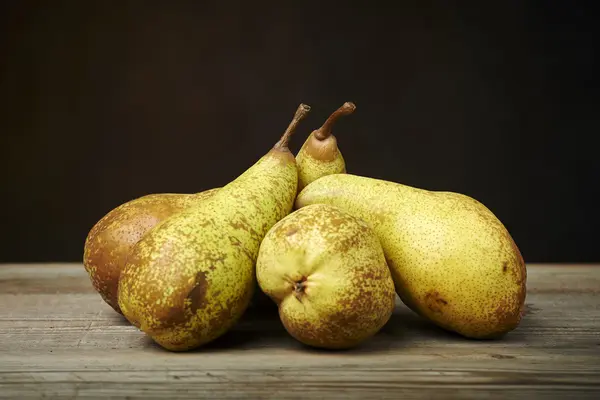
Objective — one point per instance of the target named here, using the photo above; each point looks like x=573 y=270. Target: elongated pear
x=111 y=239
x=326 y=271
x=451 y=259
x=190 y=278
x=319 y=155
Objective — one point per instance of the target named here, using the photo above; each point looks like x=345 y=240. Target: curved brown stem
x=325 y=131
x=301 y=113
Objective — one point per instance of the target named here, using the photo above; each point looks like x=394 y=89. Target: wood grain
x=58 y=339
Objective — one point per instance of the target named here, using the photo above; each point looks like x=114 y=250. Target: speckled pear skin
x=320 y=155
x=110 y=240
x=190 y=278
x=317 y=159
x=327 y=272
x=452 y=260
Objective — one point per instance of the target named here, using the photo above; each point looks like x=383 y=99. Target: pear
x=190 y=278
x=327 y=272
x=110 y=240
x=452 y=260
x=319 y=155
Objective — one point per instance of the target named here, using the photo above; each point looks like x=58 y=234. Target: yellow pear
x=190 y=278
x=452 y=260
x=326 y=271
x=320 y=155
x=110 y=240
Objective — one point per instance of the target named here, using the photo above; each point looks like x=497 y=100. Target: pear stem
x=301 y=113
x=325 y=131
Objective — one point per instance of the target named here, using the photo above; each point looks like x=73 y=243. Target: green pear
x=452 y=260
x=327 y=272
x=110 y=240
x=320 y=155
x=191 y=277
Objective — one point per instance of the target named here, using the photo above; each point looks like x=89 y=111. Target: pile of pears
x=330 y=249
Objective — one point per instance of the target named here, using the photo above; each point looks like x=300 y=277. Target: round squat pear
x=452 y=260
x=326 y=271
x=320 y=155
x=111 y=239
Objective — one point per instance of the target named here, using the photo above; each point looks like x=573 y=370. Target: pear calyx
x=299 y=287
x=325 y=131
x=301 y=113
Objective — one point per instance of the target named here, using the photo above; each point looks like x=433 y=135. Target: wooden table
x=59 y=339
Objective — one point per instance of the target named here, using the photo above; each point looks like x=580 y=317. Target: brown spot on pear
x=328 y=296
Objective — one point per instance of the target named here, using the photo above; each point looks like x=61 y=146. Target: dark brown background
x=104 y=101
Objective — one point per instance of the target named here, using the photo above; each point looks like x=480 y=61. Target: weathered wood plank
x=59 y=339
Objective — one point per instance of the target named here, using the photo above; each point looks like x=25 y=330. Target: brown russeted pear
x=110 y=240
x=190 y=278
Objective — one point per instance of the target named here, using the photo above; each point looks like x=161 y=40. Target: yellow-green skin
x=327 y=272
x=452 y=260
x=190 y=278
x=109 y=241
x=318 y=158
